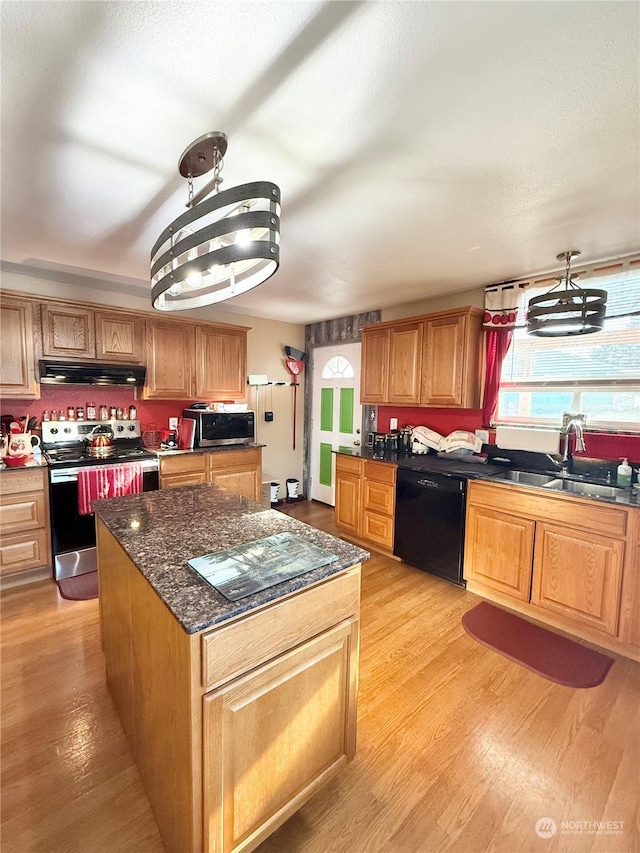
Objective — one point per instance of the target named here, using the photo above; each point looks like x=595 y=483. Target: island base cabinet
x=263 y=758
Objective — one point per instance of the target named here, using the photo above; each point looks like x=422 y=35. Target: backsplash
x=599 y=444
x=151 y=413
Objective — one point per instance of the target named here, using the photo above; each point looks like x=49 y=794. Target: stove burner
x=84 y=456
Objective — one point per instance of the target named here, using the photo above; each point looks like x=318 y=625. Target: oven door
x=73 y=536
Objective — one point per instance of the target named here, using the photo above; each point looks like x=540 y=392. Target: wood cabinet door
x=578 y=575
x=443 y=362
x=119 y=337
x=499 y=551
x=68 y=331
x=169 y=359
x=17 y=363
x=348 y=508
x=263 y=756
x=221 y=364
x=240 y=482
x=374 y=369
x=238 y=471
x=405 y=359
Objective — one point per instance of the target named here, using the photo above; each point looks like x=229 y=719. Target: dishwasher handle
x=434 y=483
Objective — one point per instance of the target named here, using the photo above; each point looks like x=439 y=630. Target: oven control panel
x=59 y=432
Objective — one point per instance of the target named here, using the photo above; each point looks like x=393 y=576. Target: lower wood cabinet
x=25 y=541
x=578 y=575
x=239 y=471
x=365 y=499
x=500 y=549
x=262 y=756
x=568 y=562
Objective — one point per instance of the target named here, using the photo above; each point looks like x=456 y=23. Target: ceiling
x=421 y=148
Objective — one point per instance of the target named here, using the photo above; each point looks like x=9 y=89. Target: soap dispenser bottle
x=623 y=477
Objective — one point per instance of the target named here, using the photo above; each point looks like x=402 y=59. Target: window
x=338 y=367
x=596 y=374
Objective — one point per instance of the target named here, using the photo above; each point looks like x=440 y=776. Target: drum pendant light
x=571 y=310
x=224 y=245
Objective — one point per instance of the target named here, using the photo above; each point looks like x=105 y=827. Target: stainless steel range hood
x=91 y=373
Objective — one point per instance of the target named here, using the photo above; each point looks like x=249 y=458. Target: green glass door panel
x=326 y=409
x=325 y=464
x=346 y=410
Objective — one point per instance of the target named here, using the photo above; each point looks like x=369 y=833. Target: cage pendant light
x=223 y=245
x=572 y=310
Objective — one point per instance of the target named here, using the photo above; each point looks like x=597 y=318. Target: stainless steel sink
x=587 y=490
x=525 y=477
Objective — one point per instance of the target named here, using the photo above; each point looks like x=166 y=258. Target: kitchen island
x=236 y=711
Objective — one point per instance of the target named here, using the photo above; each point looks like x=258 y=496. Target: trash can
x=292 y=489
x=274 y=493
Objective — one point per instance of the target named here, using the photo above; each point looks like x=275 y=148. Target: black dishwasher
x=429 y=525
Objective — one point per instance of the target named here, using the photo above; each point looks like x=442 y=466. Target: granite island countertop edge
x=161 y=530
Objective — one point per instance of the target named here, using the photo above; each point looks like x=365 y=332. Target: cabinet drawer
x=348 y=464
x=18 y=481
x=229 y=459
x=378 y=528
x=383 y=472
x=183 y=463
x=24 y=551
x=173 y=481
x=18 y=514
x=576 y=512
x=378 y=497
x=240 y=646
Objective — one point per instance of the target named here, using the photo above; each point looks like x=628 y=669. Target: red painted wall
x=600 y=445
x=151 y=413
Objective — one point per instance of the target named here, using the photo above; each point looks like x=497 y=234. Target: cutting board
x=186 y=430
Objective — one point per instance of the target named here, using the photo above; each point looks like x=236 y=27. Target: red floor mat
x=545 y=653
x=80 y=587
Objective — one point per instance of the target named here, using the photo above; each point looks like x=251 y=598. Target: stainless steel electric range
x=66 y=447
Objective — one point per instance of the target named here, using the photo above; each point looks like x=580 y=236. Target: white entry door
x=336 y=413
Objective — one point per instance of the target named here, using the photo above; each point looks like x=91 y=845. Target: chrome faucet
x=569 y=422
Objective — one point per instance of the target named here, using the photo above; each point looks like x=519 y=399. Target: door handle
x=356 y=443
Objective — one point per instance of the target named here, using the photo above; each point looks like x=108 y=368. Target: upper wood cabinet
x=451 y=360
x=119 y=337
x=170 y=354
x=405 y=348
x=432 y=360
x=375 y=364
x=17 y=363
x=185 y=359
x=68 y=331
x=71 y=331
x=221 y=363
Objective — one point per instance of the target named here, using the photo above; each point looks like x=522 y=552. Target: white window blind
x=598 y=374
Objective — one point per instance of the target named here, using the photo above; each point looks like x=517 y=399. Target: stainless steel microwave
x=220 y=428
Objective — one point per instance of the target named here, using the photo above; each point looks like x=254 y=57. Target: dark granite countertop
x=434 y=464
x=218 y=449
x=162 y=530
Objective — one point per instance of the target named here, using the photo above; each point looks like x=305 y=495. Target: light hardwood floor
x=459 y=749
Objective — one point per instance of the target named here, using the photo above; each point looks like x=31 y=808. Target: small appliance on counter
x=169 y=440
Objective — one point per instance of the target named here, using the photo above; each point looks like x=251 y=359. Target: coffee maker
x=169 y=439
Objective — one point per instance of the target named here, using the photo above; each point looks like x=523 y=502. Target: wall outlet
x=393 y=423
x=483 y=435
x=173 y=423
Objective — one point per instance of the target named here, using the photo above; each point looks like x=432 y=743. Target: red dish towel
x=107 y=481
